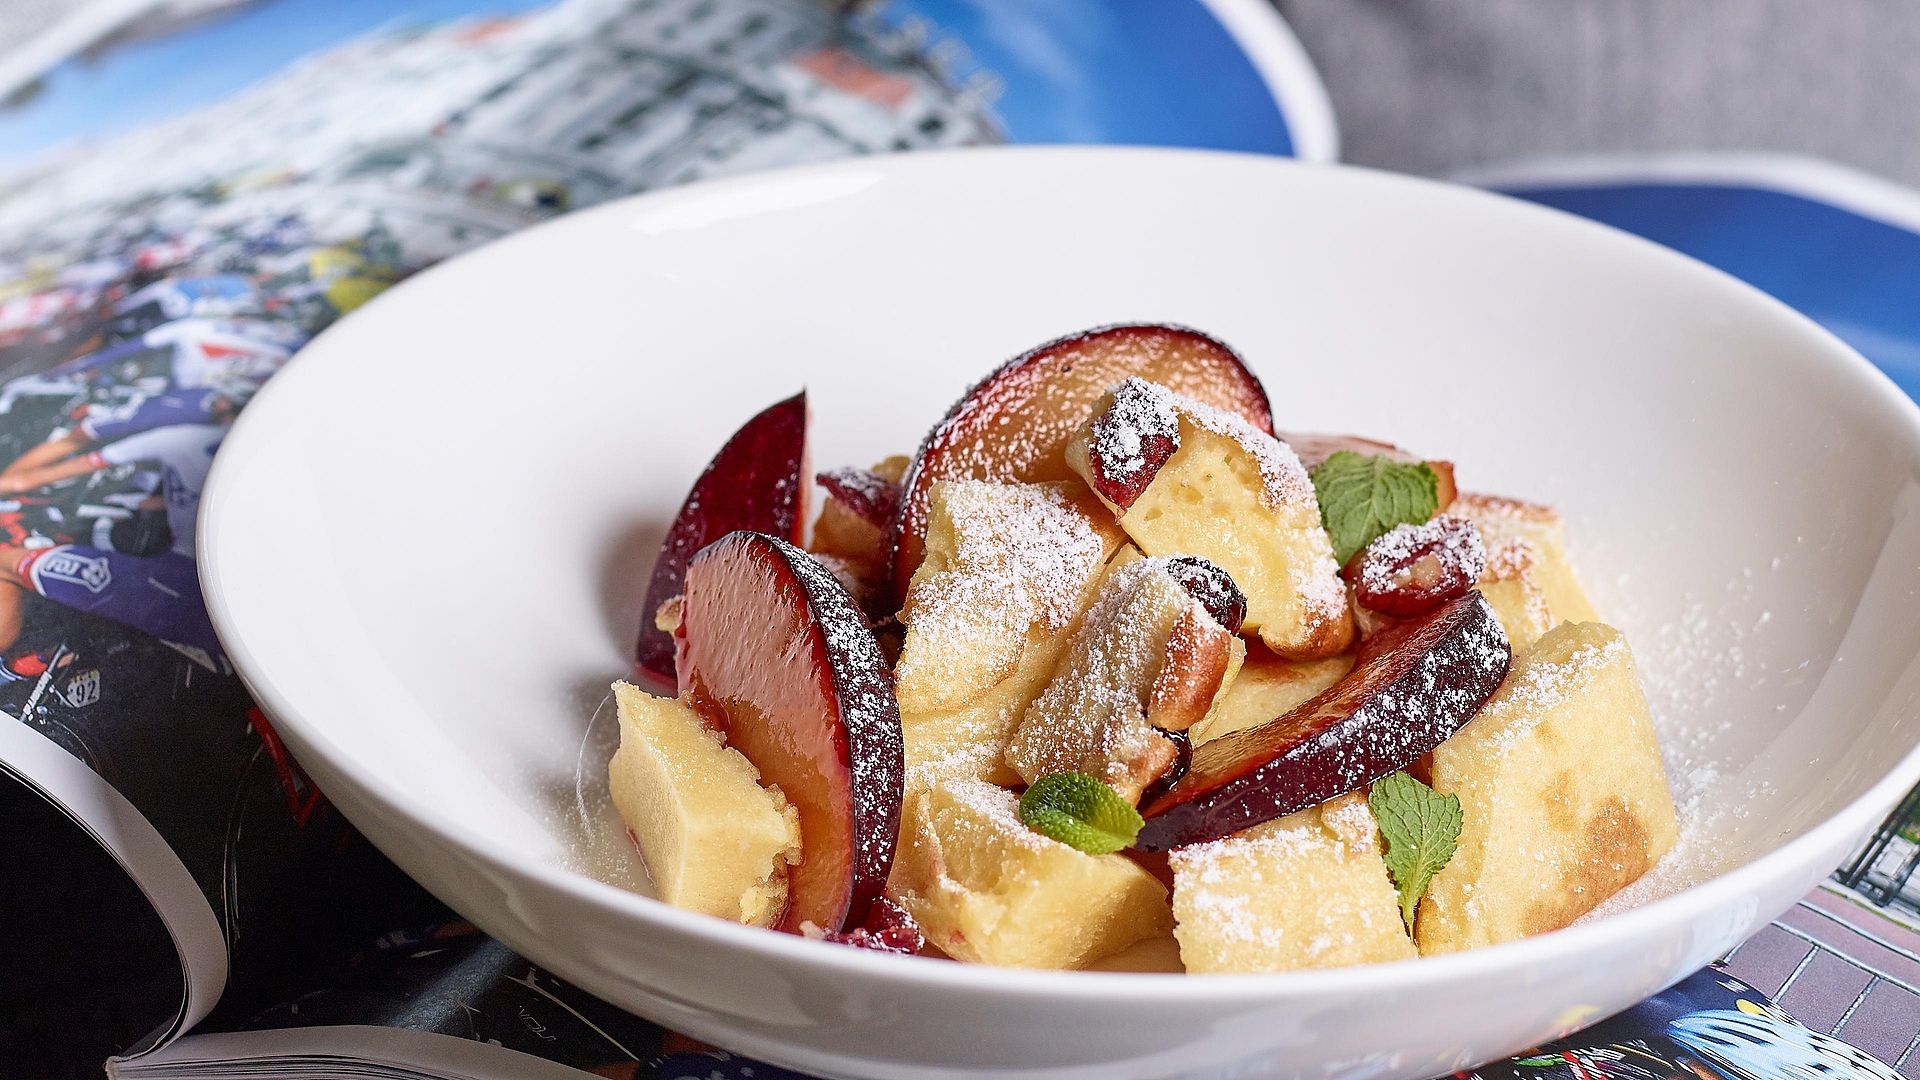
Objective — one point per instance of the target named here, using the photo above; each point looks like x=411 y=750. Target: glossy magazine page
x=201 y=188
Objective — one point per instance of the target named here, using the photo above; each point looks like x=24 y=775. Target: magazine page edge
x=444 y=1055
x=126 y=834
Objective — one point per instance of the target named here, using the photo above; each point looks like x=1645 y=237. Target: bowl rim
x=1798 y=856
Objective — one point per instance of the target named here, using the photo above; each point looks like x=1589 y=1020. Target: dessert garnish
x=1421 y=827
x=1362 y=496
x=1412 y=569
x=1108 y=660
x=1081 y=812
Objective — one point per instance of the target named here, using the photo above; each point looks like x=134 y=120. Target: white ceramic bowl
x=425 y=543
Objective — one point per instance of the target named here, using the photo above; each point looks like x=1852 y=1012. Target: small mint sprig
x=1081 y=812
x=1363 y=497
x=1422 y=828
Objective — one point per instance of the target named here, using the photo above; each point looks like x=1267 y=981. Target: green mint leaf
x=1363 y=496
x=1422 y=827
x=1080 y=812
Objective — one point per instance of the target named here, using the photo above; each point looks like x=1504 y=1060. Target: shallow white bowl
x=425 y=544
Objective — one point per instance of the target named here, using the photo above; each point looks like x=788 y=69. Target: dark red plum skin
x=866 y=493
x=775 y=655
x=1414 y=685
x=755 y=483
x=1014 y=425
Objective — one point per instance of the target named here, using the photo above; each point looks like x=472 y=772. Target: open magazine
x=189 y=191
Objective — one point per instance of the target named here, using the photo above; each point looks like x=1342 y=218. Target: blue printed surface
x=1857 y=276
x=1142 y=72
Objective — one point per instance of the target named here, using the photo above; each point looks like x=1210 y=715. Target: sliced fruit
x=1014 y=425
x=756 y=482
x=1563 y=798
x=775 y=653
x=1009 y=570
x=1267 y=688
x=1308 y=890
x=1413 y=685
x=865 y=493
x=714 y=840
x=1230 y=493
x=1315 y=447
x=855 y=516
x=1146 y=658
x=1415 y=568
x=1501 y=520
x=989 y=890
x=888 y=928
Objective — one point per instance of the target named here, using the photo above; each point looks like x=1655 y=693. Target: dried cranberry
x=1416 y=568
x=1132 y=439
x=1213 y=587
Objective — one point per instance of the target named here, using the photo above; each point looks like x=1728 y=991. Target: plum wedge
x=774 y=653
x=1414 y=684
x=754 y=482
x=1014 y=425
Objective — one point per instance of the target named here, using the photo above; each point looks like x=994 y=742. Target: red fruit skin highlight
x=774 y=653
x=1415 y=684
x=755 y=482
x=1014 y=425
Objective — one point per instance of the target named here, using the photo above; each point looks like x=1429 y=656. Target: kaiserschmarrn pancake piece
x=1147 y=658
x=1185 y=478
x=1309 y=890
x=1563 y=798
x=1009 y=569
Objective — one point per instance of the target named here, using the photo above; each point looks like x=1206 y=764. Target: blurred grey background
x=1435 y=86
x=20 y=19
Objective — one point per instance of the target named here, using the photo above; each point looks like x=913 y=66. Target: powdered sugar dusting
x=1022 y=557
x=1538 y=690
x=1316 y=581
x=868 y=711
x=865 y=492
x=1510 y=557
x=1134 y=437
x=1284 y=480
x=1031 y=541
x=1414 y=567
x=1385 y=564
x=1092 y=717
x=1143 y=412
x=995 y=814
x=1289 y=894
